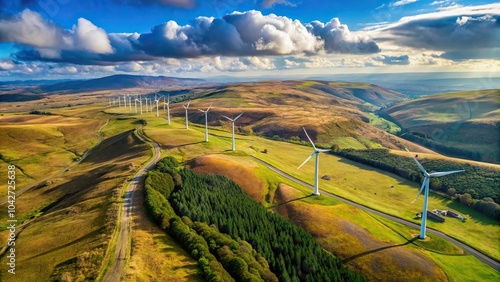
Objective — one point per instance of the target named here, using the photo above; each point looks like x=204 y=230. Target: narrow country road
x=123 y=238
x=468 y=249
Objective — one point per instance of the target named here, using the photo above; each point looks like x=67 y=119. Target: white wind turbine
x=187 y=107
x=425 y=184
x=140 y=102
x=168 y=107
x=206 y=121
x=146 y=104
x=130 y=103
x=316 y=167
x=156 y=101
x=125 y=101
x=233 y=120
x=119 y=102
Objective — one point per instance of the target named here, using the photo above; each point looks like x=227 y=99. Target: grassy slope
x=75 y=231
x=467 y=120
x=332 y=112
x=350 y=180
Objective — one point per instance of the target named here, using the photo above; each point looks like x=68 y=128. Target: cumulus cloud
x=30 y=29
x=456 y=32
x=239 y=34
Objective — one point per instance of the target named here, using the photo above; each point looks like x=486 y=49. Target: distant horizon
x=198 y=39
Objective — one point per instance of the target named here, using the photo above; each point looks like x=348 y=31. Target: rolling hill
x=332 y=112
x=463 y=124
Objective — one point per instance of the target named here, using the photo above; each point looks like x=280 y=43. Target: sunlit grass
x=360 y=183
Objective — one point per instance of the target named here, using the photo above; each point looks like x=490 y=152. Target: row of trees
x=219 y=257
x=292 y=253
x=480 y=183
x=423 y=140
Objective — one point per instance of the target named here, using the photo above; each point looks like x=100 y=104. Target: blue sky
x=69 y=38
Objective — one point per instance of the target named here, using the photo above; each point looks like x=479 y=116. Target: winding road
x=468 y=249
x=123 y=238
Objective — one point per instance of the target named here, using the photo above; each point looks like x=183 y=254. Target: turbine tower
x=425 y=184
x=146 y=104
x=168 y=107
x=187 y=107
x=140 y=102
x=315 y=152
x=233 y=120
x=206 y=121
x=119 y=102
x=156 y=101
x=125 y=101
x=135 y=104
x=130 y=103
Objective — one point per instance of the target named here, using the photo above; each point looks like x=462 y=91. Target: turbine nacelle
x=314 y=153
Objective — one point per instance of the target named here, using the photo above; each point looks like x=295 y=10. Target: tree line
x=478 y=186
x=232 y=236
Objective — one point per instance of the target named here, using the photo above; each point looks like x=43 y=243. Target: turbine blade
x=323 y=150
x=439 y=174
x=421 y=189
x=308 y=158
x=419 y=165
x=309 y=138
x=210 y=107
x=238 y=116
x=189 y=103
x=201 y=110
x=227 y=117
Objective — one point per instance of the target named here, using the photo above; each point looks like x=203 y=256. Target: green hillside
x=462 y=124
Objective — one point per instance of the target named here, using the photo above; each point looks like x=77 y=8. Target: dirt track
x=122 y=251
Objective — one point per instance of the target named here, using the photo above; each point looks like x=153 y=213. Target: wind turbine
x=156 y=101
x=168 y=107
x=233 y=120
x=135 y=104
x=187 y=107
x=146 y=104
x=119 y=102
x=140 y=102
x=130 y=103
x=425 y=184
x=206 y=121
x=315 y=152
x=125 y=101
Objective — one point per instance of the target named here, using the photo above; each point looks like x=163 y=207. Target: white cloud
x=89 y=37
x=402 y=3
x=29 y=28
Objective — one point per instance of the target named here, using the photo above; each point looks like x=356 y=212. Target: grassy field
x=464 y=120
x=76 y=198
x=70 y=218
x=363 y=184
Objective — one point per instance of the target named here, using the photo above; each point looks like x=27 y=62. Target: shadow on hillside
x=377 y=250
x=289 y=201
x=168 y=147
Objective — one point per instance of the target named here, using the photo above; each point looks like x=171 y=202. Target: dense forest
x=478 y=187
x=231 y=235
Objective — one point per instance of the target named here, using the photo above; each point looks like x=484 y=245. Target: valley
x=270 y=131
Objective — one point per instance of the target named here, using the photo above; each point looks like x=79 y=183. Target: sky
x=66 y=39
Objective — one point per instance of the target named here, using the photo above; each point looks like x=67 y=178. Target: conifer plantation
x=231 y=235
